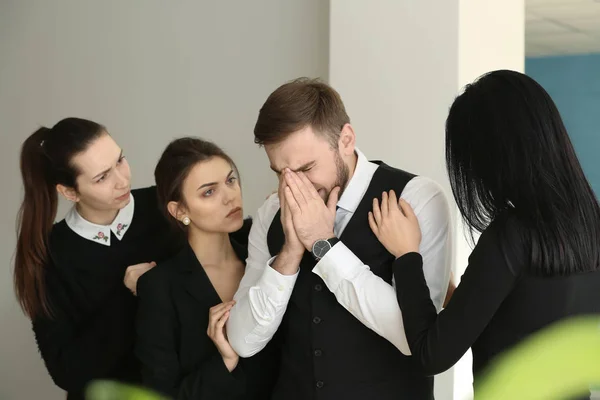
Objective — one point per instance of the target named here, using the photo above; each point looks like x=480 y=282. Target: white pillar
x=398 y=64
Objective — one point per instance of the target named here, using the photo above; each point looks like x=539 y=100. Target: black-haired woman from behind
x=517 y=181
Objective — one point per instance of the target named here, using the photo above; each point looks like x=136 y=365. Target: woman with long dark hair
x=76 y=279
x=517 y=180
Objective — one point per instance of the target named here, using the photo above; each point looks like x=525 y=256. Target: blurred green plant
x=558 y=362
x=109 y=390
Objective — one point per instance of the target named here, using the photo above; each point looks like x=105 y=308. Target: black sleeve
x=156 y=347
x=76 y=351
x=437 y=342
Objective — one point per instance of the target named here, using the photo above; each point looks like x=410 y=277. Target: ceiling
x=557 y=27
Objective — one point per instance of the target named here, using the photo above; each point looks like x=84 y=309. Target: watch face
x=321 y=248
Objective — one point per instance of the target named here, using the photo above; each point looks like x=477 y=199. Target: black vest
x=327 y=353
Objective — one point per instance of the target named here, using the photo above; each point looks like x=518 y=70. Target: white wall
x=150 y=70
x=394 y=64
x=491 y=36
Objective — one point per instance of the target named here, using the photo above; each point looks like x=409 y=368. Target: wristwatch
x=322 y=246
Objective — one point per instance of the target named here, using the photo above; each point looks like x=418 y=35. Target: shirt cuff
x=339 y=264
x=276 y=286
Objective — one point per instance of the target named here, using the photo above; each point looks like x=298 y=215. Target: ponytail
x=46 y=161
x=35 y=219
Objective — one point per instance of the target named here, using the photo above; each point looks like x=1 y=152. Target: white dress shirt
x=264 y=293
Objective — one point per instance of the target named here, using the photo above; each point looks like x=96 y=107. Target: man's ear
x=347 y=142
x=68 y=193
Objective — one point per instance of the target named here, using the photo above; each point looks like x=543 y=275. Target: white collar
x=357 y=187
x=101 y=233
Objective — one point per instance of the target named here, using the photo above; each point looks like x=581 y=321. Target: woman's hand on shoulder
x=395 y=225
x=133 y=273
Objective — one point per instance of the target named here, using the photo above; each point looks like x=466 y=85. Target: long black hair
x=507 y=150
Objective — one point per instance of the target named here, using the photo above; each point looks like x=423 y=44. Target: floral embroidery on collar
x=101 y=233
x=101 y=236
x=120 y=228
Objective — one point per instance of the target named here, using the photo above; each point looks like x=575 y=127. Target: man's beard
x=343 y=175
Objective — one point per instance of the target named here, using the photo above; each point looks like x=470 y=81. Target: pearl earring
x=186 y=220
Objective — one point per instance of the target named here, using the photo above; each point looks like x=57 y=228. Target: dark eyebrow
x=108 y=169
x=214 y=183
x=301 y=168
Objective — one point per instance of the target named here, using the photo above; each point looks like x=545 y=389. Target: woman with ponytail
x=77 y=279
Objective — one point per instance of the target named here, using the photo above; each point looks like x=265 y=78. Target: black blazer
x=178 y=358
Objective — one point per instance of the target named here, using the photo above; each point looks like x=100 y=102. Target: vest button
x=320 y=384
x=318 y=353
x=317 y=320
x=318 y=287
